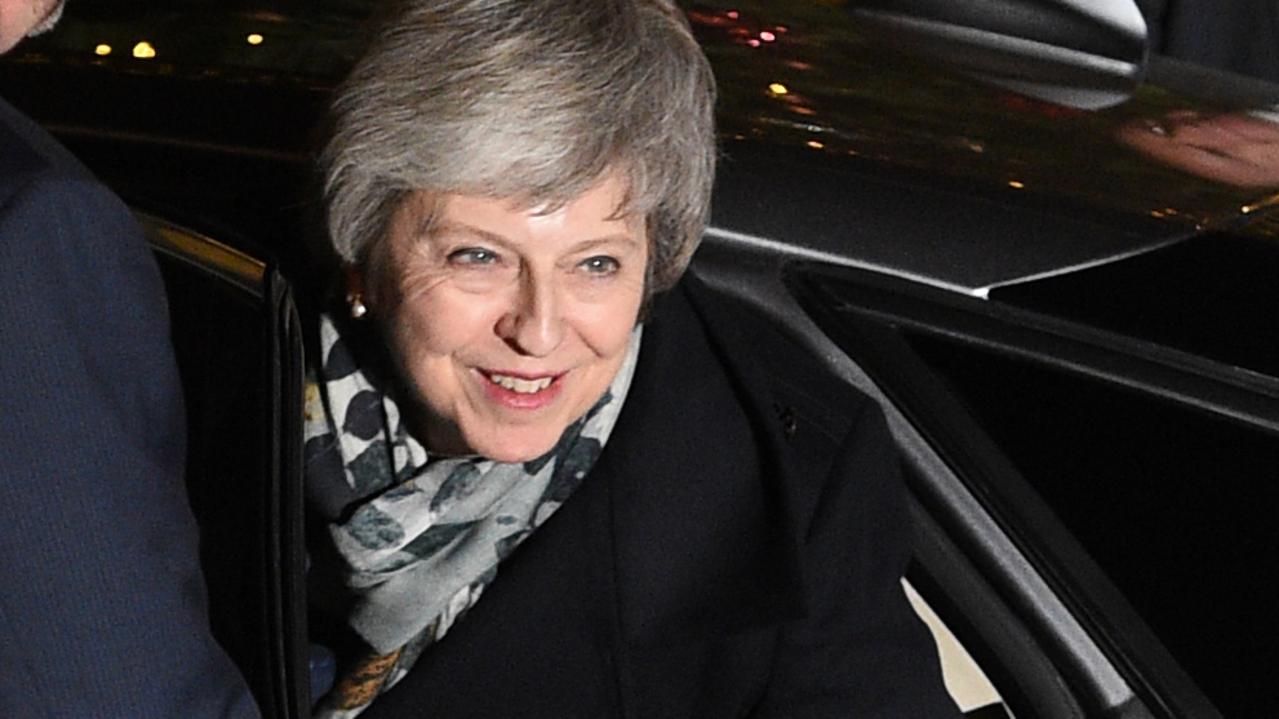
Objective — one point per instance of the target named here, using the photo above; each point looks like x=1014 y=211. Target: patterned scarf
x=424 y=535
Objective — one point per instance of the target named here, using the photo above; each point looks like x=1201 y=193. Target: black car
x=1050 y=257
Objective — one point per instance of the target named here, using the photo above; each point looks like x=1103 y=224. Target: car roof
x=836 y=145
x=927 y=174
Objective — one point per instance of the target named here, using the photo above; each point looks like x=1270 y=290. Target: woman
x=525 y=500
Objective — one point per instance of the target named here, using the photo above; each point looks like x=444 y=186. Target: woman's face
x=509 y=323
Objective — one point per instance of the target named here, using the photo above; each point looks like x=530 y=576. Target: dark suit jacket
x=1239 y=35
x=101 y=601
x=736 y=551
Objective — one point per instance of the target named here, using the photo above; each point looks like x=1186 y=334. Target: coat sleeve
x=102 y=604
x=861 y=651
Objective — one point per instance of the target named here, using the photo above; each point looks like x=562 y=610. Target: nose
x=533 y=325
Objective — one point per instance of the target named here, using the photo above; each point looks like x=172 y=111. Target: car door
x=239 y=350
x=1092 y=461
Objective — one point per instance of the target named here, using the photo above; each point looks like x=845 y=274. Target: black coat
x=1238 y=36
x=736 y=551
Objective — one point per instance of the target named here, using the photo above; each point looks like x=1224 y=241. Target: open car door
x=239 y=349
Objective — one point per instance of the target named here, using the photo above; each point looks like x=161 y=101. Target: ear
x=354 y=279
x=357 y=300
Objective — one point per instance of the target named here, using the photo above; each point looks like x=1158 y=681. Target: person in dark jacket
x=548 y=474
x=1241 y=36
x=102 y=610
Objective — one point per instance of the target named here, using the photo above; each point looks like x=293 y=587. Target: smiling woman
x=515 y=189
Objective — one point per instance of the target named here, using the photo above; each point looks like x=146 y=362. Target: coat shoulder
x=22 y=163
x=30 y=155
x=776 y=368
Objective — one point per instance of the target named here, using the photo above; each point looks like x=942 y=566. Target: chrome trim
x=243 y=270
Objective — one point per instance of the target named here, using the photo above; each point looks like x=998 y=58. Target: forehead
x=597 y=211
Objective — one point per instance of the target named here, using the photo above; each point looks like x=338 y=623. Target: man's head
x=23 y=18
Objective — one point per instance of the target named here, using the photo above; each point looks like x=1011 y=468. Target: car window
x=1176 y=504
x=1213 y=296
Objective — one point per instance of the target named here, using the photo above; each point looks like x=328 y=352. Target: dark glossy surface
x=1214 y=297
x=802 y=79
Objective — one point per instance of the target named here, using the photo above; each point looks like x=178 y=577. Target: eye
x=472 y=256
x=600 y=265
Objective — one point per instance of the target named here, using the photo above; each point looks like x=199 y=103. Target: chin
x=515 y=445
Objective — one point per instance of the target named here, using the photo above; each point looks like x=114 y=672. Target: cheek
x=432 y=327
x=606 y=327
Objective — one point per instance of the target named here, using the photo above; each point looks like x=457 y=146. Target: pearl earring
x=356 y=303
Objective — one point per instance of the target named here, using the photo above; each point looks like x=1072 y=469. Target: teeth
x=523 y=386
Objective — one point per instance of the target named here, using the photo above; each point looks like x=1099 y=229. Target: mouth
x=519 y=390
x=520 y=385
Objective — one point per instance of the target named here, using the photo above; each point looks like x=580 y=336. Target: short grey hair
x=531 y=100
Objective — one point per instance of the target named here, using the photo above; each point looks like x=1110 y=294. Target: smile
x=519 y=384
x=519 y=391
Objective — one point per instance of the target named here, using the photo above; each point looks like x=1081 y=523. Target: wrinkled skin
x=491 y=300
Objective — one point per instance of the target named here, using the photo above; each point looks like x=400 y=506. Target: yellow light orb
x=1016 y=184
x=144 y=50
x=254 y=39
x=102 y=50
x=778 y=89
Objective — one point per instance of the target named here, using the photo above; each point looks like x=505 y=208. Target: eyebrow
x=456 y=228
x=627 y=240
x=440 y=229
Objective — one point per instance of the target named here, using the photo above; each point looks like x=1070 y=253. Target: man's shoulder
x=61 y=228
x=21 y=162
x=29 y=154
x=43 y=187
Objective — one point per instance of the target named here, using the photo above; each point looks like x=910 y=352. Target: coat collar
x=703 y=538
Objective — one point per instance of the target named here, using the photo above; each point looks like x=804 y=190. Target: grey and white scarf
x=425 y=534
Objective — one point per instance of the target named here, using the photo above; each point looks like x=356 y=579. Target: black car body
x=1075 y=343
